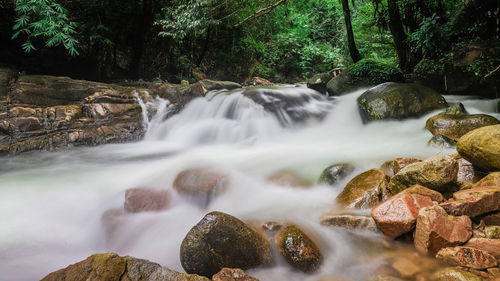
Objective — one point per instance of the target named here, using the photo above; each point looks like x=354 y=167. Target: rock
x=492 y=246
x=467 y=257
x=456 y=109
x=318 y=82
x=492 y=232
x=424 y=191
x=298 y=249
x=398 y=101
x=232 y=274
x=435 y=173
x=393 y=167
x=435 y=229
x=257 y=81
x=111 y=267
x=365 y=190
x=455 y=126
x=288 y=178
x=202 y=184
x=492 y=179
x=351 y=222
x=398 y=214
x=410 y=265
x=454 y=274
x=146 y=199
x=440 y=141
x=491 y=218
x=203 y=251
x=473 y=202
x=272 y=225
x=482 y=147
x=332 y=174
x=467 y=174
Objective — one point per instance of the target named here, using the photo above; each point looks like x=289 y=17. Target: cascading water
x=58 y=208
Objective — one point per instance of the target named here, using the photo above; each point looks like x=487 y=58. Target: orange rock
x=232 y=274
x=424 y=191
x=473 y=202
x=492 y=246
x=467 y=257
x=146 y=199
x=365 y=190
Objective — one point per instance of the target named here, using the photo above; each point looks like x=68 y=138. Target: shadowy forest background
x=283 y=41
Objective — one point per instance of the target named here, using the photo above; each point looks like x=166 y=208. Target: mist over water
x=58 y=208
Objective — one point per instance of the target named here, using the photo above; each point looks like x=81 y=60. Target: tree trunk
x=398 y=35
x=350 y=35
x=145 y=21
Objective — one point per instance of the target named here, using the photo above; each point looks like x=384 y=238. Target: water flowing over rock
x=202 y=184
x=398 y=101
x=204 y=252
x=473 y=202
x=111 y=267
x=482 y=147
x=146 y=199
x=436 y=173
x=334 y=173
x=365 y=190
x=441 y=141
x=398 y=214
x=350 y=222
x=298 y=249
x=492 y=246
x=467 y=257
x=288 y=178
x=435 y=229
x=454 y=274
x=232 y=274
x=455 y=126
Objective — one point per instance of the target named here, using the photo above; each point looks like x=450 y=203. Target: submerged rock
x=298 y=249
x=454 y=274
x=436 y=229
x=288 y=178
x=232 y=274
x=334 y=173
x=482 y=147
x=473 y=202
x=398 y=101
x=146 y=199
x=455 y=126
x=467 y=257
x=202 y=184
x=220 y=240
x=365 y=190
x=111 y=267
x=351 y=222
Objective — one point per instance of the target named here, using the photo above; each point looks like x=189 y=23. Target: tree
x=398 y=34
x=353 y=50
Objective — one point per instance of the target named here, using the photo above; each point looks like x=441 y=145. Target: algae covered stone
x=482 y=147
x=332 y=174
x=455 y=126
x=365 y=190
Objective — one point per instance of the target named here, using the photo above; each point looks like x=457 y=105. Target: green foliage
x=431 y=38
x=426 y=69
x=44 y=19
x=373 y=72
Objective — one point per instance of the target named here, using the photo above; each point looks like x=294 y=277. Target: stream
x=57 y=208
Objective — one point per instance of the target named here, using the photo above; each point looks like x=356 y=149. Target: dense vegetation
x=276 y=39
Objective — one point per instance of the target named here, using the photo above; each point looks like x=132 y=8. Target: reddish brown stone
x=474 y=202
x=365 y=190
x=491 y=218
x=351 y=222
x=436 y=229
x=424 y=191
x=232 y=274
x=397 y=215
x=146 y=199
x=467 y=257
x=200 y=183
x=492 y=246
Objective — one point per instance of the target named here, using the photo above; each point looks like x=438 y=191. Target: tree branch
x=260 y=12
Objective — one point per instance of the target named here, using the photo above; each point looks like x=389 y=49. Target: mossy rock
x=332 y=174
x=318 y=82
x=454 y=274
x=365 y=190
x=455 y=126
x=481 y=147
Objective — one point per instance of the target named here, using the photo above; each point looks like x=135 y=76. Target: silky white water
x=58 y=208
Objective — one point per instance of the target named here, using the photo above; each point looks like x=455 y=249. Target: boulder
x=467 y=257
x=435 y=173
x=436 y=229
x=394 y=166
x=454 y=274
x=318 y=82
x=398 y=214
x=202 y=183
x=492 y=232
x=492 y=246
x=146 y=199
x=440 y=141
x=455 y=126
x=232 y=274
x=111 y=267
x=332 y=174
x=365 y=190
x=204 y=252
x=298 y=249
x=287 y=178
x=473 y=202
x=350 y=222
x=492 y=179
x=482 y=147
x=424 y=191
x=456 y=109
x=398 y=101
x=257 y=81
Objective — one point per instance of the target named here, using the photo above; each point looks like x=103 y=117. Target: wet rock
x=467 y=257
x=435 y=173
x=204 y=252
x=492 y=179
x=318 y=82
x=288 y=178
x=492 y=232
x=351 y=222
x=424 y=191
x=257 y=81
x=334 y=173
x=467 y=174
x=272 y=225
x=386 y=278
x=398 y=101
x=232 y=274
x=436 y=229
x=440 y=141
x=365 y=190
x=456 y=109
x=482 y=147
x=111 y=267
x=298 y=249
x=455 y=126
x=393 y=167
x=146 y=199
x=411 y=265
x=454 y=274
x=202 y=184
x=473 y=202
x=492 y=246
